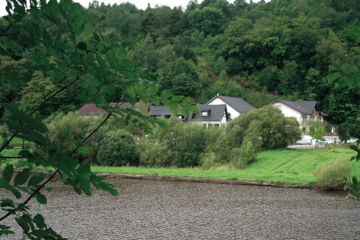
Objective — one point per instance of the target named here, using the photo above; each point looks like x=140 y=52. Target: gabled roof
x=305 y=107
x=159 y=110
x=216 y=112
x=91 y=108
x=237 y=103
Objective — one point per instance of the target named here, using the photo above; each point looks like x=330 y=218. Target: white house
x=209 y=115
x=305 y=112
x=235 y=106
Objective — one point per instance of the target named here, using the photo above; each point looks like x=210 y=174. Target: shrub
x=153 y=153
x=208 y=160
x=118 y=148
x=271 y=126
x=67 y=130
x=186 y=141
x=245 y=155
x=217 y=142
x=332 y=174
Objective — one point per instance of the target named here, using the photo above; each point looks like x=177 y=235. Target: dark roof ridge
x=306 y=107
x=237 y=103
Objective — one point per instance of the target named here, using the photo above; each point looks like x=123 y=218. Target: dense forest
x=292 y=49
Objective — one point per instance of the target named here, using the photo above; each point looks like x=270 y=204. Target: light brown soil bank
x=204 y=180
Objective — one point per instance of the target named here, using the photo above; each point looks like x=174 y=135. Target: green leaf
x=153 y=89
x=333 y=76
x=155 y=100
x=41 y=198
x=174 y=107
x=22 y=177
x=166 y=94
x=188 y=101
x=130 y=90
x=14 y=191
x=8 y=173
x=177 y=99
x=85 y=186
x=84 y=168
x=140 y=89
x=39 y=221
x=23 y=223
x=7 y=203
x=36 y=179
x=5 y=230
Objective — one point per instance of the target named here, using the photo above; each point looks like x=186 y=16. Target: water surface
x=182 y=210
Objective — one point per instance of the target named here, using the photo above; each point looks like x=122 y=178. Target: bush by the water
x=272 y=128
x=153 y=153
x=241 y=157
x=208 y=160
x=118 y=148
x=217 y=149
x=68 y=130
x=186 y=141
x=333 y=174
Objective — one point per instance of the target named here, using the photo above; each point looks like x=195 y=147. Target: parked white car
x=305 y=140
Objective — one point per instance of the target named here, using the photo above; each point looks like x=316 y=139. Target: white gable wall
x=288 y=111
x=233 y=113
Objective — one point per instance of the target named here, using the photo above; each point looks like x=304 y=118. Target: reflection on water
x=178 y=210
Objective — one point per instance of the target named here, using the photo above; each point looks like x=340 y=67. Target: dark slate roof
x=237 y=103
x=91 y=108
x=305 y=107
x=159 y=111
x=216 y=112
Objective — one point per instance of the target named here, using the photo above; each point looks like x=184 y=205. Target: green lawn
x=285 y=166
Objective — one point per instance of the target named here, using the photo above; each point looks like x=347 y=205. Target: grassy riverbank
x=286 y=166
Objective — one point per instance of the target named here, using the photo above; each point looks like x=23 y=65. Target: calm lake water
x=179 y=210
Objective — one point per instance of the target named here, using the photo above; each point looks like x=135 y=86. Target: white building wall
x=221 y=123
x=288 y=112
x=233 y=113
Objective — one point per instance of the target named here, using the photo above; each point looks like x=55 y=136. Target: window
x=304 y=117
x=204 y=114
x=312 y=118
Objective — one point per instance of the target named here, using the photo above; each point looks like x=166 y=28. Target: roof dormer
x=205 y=112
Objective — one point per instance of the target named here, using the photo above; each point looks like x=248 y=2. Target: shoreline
x=205 y=180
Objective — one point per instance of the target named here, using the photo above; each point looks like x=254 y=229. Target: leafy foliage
x=117 y=149
x=266 y=127
x=153 y=153
x=333 y=174
x=317 y=130
x=186 y=141
x=73 y=65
